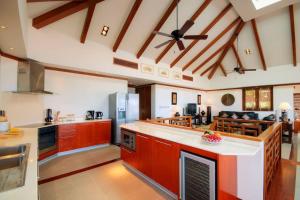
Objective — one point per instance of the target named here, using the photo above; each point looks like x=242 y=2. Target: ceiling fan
x=238 y=68
x=178 y=34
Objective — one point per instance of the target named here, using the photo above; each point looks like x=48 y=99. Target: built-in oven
x=128 y=139
x=48 y=138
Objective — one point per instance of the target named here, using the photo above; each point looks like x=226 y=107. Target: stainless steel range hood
x=31 y=78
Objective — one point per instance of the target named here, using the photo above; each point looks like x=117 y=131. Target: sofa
x=239 y=115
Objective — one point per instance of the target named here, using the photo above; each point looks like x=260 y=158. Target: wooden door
x=145 y=101
x=297 y=105
x=144 y=154
x=165 y=164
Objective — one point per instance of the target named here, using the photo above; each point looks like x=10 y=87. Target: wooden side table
x=287 y=127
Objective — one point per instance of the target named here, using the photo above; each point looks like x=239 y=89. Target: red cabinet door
x=85 y=133
x=66 y=137
x=130 y=157
x=144 y=154
x=102 y=132
x=165 y=164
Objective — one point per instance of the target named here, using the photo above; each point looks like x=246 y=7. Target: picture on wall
x=174 y=98
x=199 y=99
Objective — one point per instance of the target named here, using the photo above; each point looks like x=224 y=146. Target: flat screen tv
x=191 y=109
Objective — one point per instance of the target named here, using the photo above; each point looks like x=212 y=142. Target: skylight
x=258 y=4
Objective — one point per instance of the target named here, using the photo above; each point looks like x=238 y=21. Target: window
x=258 y=99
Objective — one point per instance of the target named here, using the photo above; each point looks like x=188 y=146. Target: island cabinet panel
x=165 y=164
x=130 y=157
x=144 y=154
x=102 y=132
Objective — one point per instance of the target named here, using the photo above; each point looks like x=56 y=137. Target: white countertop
x=228 y=146
x=77 y=121
x=30 y=190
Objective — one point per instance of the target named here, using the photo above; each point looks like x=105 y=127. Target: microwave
x=128 y=139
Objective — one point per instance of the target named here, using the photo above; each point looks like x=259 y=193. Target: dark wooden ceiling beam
x=226 y=49
x=208 y=69
x=60 y=13
x=223 y=69
x=258 y=43
x=88 y=19
x=193 y=18
x=236 y=54
x=157 y=28
x=292 y=23
x=127 y=23
x=210 y=26
x=229 y=27
x=209 y=58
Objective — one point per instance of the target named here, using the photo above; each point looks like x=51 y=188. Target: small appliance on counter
x=99 y=115
x=90 y=115
x=4 y=124
x=49 y=117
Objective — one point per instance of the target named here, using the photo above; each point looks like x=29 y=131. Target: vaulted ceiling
x=269 y=37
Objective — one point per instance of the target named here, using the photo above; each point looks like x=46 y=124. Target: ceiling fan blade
x=180 y=45
x=187 y=25
x=248 y=70
x=164 y=34
x=162 y=44
x=195 y=37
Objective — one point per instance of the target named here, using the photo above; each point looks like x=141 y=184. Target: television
x=191 y=109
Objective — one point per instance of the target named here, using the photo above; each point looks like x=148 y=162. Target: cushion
x=234 y=116
x=224 y=115
x=246 y=117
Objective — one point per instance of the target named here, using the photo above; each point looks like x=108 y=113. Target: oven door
x=128 y=139
x=47 y=139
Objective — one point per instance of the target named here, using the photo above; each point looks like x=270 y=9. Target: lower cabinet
x=144 y=152
x=165 y=157
x=158 y=159
x=74 y=136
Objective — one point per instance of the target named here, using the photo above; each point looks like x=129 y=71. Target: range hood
x=31 y=78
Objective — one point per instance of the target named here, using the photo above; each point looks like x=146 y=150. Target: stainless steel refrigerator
x=123 y=108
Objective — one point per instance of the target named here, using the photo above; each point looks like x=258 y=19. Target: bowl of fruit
x=211 y=137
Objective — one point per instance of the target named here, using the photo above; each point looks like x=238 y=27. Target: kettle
x=99 y=115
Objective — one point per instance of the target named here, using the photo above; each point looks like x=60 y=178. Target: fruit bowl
x=211 y=137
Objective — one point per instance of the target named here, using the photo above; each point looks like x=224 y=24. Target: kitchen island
x=157 y=156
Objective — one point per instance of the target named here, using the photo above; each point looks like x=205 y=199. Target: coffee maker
x=90 y=115
x=99 y=115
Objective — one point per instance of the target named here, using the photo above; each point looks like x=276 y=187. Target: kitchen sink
x=11 y=150
x=13 y=164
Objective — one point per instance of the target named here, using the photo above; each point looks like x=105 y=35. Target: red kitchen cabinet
x=102 y=132
x=144 y=154
x=130 y=157
x=85 y=134
x=165 y=170
x=67 y=137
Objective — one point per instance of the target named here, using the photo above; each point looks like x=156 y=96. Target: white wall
x=73 y=94
x=281 y=94
x=161 y=100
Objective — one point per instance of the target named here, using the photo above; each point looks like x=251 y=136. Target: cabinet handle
x=143 y=137
x=163 y=143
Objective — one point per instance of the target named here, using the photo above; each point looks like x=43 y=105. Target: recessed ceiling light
x=11 y=48
x=248 y=51
x=104 y=30
x=3 y=27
